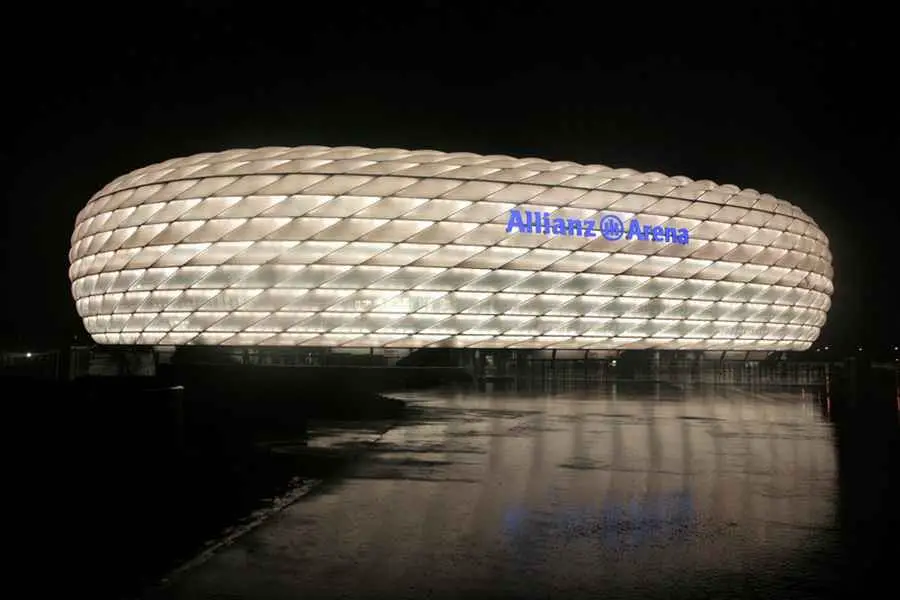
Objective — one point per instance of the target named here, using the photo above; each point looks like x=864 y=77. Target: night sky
x=795 y=99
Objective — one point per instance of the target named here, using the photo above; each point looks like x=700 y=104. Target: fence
x=566 y=374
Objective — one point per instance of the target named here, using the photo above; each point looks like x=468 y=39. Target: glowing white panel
x=362 y=247
x=408 y=277
x=213 y=231
x=402 y=255
x=494 y=304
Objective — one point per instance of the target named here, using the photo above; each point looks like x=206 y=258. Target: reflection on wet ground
x=614 y=492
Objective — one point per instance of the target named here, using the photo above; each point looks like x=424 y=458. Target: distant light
x=612 y=363
x=896 y=348
x=860 y=348
x=827 y=347
x=28 y=355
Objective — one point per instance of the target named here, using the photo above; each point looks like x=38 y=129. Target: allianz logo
x=610 y=228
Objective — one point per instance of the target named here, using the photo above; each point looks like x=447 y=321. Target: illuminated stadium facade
x=387 y=248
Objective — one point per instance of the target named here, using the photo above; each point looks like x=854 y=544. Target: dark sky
x=791 y=98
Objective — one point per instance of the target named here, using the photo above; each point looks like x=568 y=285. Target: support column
x=553 y=368
x=586 y=354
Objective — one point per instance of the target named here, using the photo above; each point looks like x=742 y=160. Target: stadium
x=350 y=247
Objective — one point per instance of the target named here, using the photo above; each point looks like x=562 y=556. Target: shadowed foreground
x=114 y=482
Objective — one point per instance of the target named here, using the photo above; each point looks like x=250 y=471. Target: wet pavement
x=634 y=493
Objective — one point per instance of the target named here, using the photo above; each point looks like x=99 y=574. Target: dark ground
x=106 y=492
x=111 y=483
